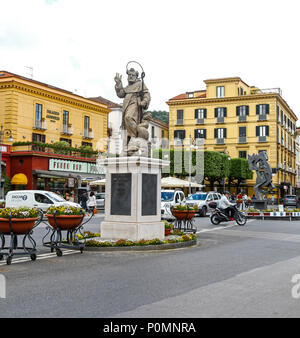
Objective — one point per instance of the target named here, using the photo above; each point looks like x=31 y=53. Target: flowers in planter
x=185 y=207
x=22 y=212
x=64 y=210
x=168 y=225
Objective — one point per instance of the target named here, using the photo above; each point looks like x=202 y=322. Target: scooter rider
x=227 y=206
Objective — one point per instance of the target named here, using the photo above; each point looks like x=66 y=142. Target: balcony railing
x=242 y=139
x=40 y=125
x=242 y=118
x=178 y=142
x=262 y=138
x=262 y=117
x=88 y=133
x=200 y=121
x=220 y=119
x=50 y=149
x=220 y=140
x=179 y=122
x=267 y=91
x=67 y=129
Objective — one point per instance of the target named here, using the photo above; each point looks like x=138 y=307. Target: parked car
x=100 y=200
x=168 y=199
x=40 y=199
x=291 y=201
x=202 y=199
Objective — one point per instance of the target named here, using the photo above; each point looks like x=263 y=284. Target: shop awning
x=54 y=174
x=174 y=182
x=19 y=179
x=98 y=182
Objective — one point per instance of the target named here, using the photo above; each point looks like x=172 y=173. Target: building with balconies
x=238 y=119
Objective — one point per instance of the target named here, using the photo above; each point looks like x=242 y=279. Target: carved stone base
x=137 y=146
x=260 y=204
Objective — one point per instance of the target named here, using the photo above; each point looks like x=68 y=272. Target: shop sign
x=53 y=115
x=63 y=165
x=75 y=166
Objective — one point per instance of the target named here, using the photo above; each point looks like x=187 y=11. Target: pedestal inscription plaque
x=120 y=203
x=149 y=194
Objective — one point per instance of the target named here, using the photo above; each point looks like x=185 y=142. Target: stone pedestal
x=260 y=204
x=133 y=198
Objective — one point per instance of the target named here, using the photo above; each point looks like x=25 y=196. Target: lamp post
x=190 y=162
x=6 y=133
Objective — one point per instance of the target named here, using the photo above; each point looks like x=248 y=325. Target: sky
x=79 y=45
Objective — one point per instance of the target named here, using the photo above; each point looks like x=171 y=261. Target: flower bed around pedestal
x=177 y=239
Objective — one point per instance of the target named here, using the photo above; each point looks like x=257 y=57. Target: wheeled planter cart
x=11 y=229
x=72 y=225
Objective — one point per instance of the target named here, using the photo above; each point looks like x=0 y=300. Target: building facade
x=158 y=134
x=37 y=112
x=239 y=120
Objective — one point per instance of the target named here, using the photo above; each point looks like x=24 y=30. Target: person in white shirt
x=226 y=205
x=91 y=204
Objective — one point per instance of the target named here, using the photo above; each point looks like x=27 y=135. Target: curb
x=144 y=247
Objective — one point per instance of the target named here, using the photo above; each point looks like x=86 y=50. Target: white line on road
x=41 y=256
x=221 y=228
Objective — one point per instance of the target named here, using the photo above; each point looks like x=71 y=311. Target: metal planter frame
x=56 y=241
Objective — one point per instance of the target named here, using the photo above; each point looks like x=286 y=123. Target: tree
x=239 y=171
x=160 y=115
x=216 y=167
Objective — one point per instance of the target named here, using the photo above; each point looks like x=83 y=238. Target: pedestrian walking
x=91 y=204
x=83 y=201
x=273 y=199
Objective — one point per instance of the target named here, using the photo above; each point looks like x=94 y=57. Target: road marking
x=41 y=256
x=223 y=227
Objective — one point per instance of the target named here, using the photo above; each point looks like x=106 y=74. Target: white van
x=39 y=199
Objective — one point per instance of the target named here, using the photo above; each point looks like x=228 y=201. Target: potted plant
x=22 y=220
x=184 y=211
x=168 y=228
x=65 y=217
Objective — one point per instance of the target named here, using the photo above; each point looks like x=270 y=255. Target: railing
x=52 y=151
x=242 y=118
x=262 y=117
x=220 y=119
x=67 y=130
x=242 y=139
x=220 y=141
x=40 y=125
x=267 y=91
x=262 y=138
x=200 y=121
x=179 y=122
x=88 y=134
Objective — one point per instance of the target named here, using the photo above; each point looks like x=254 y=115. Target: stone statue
x=260 y=164
x=134 y=121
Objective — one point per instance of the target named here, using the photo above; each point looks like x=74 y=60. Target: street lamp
x=3 y=133
x=190 y=162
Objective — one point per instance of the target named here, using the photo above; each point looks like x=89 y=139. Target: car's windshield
x=167 y=195
x=100 y=196
x=55 y=197
x=197 y=197
x=291 y=197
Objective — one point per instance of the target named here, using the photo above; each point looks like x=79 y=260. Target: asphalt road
x=232 y=272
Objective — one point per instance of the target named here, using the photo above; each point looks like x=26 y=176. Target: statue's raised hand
x=118 y=79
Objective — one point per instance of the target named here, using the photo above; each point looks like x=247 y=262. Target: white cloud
x=80 y=45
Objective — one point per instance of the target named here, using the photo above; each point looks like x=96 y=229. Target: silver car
x=202 y=199
x=100 y=200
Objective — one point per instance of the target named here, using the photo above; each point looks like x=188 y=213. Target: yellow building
x=239 y=120
x=35 y=111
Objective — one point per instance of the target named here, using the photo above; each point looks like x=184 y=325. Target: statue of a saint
x=134 y=121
